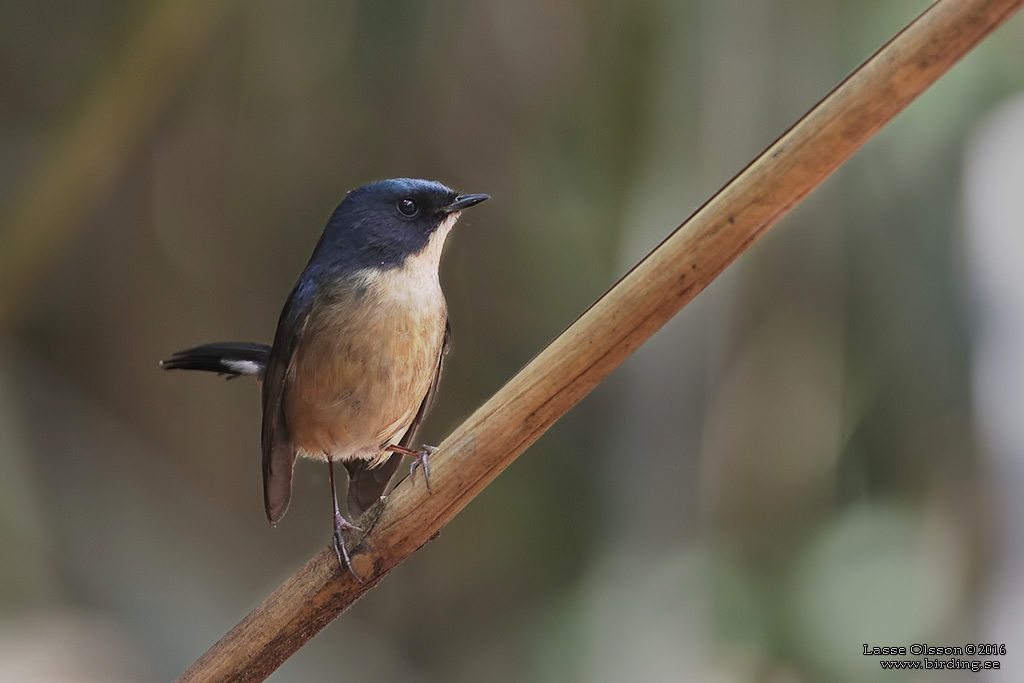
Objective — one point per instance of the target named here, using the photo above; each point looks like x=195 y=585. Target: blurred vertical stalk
x=100 y=139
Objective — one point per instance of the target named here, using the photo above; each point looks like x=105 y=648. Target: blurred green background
x=823 y=450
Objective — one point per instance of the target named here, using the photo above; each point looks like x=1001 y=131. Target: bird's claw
x=339 y=545
x=421 y=459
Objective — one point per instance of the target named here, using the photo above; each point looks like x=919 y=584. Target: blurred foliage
x=788 y=470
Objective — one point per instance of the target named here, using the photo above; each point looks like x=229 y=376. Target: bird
x=359 y=347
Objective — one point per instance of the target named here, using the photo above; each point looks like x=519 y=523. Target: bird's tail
x=228 y=359
x=366 y=484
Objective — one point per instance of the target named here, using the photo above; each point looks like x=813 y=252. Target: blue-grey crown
x=400 y=187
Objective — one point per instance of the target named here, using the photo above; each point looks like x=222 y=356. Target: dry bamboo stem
x=609 y=331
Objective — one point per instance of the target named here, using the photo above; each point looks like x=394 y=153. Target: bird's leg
x=420 y=459
x=340 y=524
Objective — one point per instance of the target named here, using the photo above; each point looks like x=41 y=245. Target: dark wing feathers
x=278 y=450
x=366 y=484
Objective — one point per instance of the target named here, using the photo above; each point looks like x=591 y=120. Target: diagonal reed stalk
x=609 y=331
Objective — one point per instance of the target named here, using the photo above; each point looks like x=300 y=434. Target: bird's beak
x=464 y=201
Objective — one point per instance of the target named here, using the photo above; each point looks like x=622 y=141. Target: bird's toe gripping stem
x=421 y=458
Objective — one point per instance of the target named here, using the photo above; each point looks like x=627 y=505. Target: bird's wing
x=278 y=450
x=366 y=483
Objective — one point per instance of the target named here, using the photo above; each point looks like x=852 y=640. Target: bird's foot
x=338 y=542
x=421 y=459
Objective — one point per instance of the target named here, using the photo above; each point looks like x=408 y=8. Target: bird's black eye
x=408 y=207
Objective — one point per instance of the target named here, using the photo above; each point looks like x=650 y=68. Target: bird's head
x=382 y=224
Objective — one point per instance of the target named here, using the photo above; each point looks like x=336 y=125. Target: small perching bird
x=359 y=346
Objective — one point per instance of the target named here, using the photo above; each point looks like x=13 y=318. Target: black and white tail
x=228 y=359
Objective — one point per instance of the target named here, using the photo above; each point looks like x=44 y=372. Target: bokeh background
x=823 y=450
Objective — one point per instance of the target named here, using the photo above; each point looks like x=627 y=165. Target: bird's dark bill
x=464 y=201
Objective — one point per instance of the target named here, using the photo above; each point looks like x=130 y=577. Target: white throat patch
x=417 y=278
x=431 y=254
